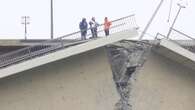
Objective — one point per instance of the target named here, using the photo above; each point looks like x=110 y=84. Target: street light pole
x=151 y=19
x=180 y=7
x=52 y=19
x=25 y=22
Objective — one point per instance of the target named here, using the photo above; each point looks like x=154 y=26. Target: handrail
x=188 y=45
x=183 y=34
x=160 y=35
x=60 y=38
x=32 y=51
x=98 y=26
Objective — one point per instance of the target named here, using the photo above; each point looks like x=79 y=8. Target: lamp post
x=180 y=7
x=151 y=19
x=52 y=19
x=25 y=21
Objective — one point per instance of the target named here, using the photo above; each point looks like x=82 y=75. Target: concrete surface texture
x=163 y=84
x=126 y=57
x=82 y=82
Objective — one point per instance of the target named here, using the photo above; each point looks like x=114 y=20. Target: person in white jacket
x=93 y=26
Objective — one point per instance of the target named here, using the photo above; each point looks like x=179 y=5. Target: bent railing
x=183 y=39
x=30 y=52
x=180 y=38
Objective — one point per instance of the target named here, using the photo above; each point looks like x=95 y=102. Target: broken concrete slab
x=126 y=58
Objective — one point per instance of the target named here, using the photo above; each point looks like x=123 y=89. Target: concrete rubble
x=126 y=58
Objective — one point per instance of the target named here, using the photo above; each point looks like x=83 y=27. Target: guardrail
x=26 y=53
x=180 y=38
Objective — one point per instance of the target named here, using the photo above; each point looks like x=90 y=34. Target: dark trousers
x=106 y=32
x=94 y=32
x=83 y=35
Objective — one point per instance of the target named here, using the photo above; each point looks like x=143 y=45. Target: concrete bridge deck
x=66 y=52
x=176 y=53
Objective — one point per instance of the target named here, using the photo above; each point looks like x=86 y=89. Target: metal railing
x=183 y=39
x=26 y=53
x=180 y=38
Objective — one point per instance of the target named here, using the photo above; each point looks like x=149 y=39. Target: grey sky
x=68 y=13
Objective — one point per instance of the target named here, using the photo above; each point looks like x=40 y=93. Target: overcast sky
x=68 y=13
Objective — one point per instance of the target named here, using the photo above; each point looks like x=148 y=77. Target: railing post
x=29 y=52
x=156 y=36
x=61 y=41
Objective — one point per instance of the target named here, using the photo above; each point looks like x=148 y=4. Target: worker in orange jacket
x=107 y=25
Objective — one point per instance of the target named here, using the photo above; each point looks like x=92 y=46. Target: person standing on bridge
x=83 y=27
x=93 y=26
x=107 y=25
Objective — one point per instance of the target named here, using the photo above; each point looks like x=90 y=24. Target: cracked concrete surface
x=139 y=79
x=146 y=80
x=126 y=58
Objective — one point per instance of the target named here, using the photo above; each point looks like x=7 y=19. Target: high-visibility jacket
x=107 y=25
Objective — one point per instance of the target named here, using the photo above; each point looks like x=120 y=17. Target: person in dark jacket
x=83 y=27
x=93 y=26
